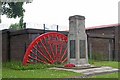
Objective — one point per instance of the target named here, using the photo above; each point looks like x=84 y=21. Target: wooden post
x=57 y=28
x=0 y=10
x=110 y=48
x=44 y=27
x=117 y=43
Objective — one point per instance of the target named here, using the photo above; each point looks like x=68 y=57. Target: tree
x=15 y=26
x=12 y=9
x=21 y=22
x=18 y=26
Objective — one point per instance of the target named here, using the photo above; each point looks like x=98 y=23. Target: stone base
x=81 y=62
x=83 y=65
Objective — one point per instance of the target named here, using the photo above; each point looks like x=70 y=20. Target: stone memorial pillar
x=77 y=41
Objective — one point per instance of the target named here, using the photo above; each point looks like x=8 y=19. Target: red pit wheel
x=48 y=48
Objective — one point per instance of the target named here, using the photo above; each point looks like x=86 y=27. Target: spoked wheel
x=48 y=48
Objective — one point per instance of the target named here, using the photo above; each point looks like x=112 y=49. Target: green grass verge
x=17 y=70
x=0 y=72
x=18 y=66
x=113 y=64
x=112 y=75
x=39 y=73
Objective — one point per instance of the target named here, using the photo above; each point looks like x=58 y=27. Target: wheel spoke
x=39 y=57
x=64 y=60
x=47 y=50
x=65 y=52
x=52 y=53
x=39 y=51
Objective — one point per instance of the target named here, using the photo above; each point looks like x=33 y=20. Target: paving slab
x=90 y=71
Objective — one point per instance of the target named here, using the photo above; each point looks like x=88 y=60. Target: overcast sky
x=57 y=12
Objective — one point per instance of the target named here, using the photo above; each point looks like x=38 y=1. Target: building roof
x=102 y=26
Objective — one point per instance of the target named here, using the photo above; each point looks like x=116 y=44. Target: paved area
x=91 y=71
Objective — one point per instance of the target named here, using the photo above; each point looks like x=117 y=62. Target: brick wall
x=101 y=43
x=19 y=41
x=18 y=45
x=5 y=45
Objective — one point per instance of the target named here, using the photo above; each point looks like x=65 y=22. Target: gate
x=48 y=48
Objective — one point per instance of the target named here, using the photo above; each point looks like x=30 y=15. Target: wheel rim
x=48 y=48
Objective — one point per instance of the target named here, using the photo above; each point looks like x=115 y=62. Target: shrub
x=19 y=66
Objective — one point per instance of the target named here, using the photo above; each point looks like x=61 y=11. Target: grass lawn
x=113 y=64
x=0 y=72
x=112 y=75
x=40 y=73
x=16 y=70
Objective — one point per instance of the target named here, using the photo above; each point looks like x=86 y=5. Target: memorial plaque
x=72 y=48
x=82 y=48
